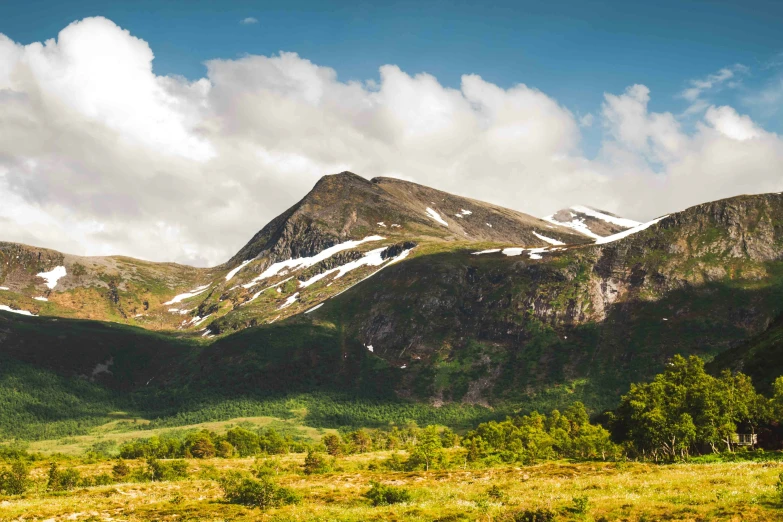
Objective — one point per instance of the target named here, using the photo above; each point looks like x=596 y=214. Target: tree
x=333 y=443
x=225 y=450
x=684 y=408
x=362 y=440
x=315 y=463
x=202 y=447
x=428 y=448
x=245 y=441
x=120 y=470
x=16 y=479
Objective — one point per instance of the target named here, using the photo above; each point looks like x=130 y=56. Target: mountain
x=387 y=289
x=591 y=222
x=336 y=231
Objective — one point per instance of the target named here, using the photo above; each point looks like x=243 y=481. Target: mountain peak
x=347 y=206
x=590 y=221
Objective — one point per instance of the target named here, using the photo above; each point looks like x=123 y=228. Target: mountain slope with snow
x=454 y=309
x=591 y=222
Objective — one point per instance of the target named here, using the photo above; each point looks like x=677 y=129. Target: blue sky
x=637 y=108
x=572 y=50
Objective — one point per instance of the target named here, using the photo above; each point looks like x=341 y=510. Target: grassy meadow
x=698 y=490
x=550 y=491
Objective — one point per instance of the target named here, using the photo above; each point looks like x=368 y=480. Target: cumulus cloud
x=99 y=155
x=248 y=21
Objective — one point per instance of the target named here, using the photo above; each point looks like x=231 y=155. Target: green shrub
x=160 y=470
x=14 y=481
x=384 y=495
x=120 y=470
x=496 y=494
x=316 y=463
x=580 y=505
x=262 y=493
x=104 y=479
x=62 y=480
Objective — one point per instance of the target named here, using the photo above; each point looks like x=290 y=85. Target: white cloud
x=99 y=155
x=713 y=81
x=249 y=21
x=726 y=121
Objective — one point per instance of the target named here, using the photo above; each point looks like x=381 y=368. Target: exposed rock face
x=699 y=281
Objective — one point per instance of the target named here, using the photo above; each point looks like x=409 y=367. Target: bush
x=121 y=470
x=495 y=493
x=160 y=470
x=14 y=481
x=262 y=493
x=59 y=480
x=316 y=463
x=384 y=495
x=580 y=505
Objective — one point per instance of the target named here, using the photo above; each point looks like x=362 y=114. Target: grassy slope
x=615 y=491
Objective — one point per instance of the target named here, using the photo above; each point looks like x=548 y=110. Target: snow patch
x=465 y=212
x=381 y=224
x=400 y=257
x=291 y=300
x=627 y=223
x=629 y=232
x=53 y=276
x=548 y=239
x=490 y=226
x=187 y=295
x=576 y=224
x=305 y=262
x=237 y=269
x=434 y=215
x=369 y=347
x=533 y=253
x=490 y=251
x=313 y=309
x=371 y=258
x=40 y=298
x=202 y=319
x=395 y=225
x=6 y=308
x=4 y=288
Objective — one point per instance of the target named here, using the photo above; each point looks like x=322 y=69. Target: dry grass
x=616 y=491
